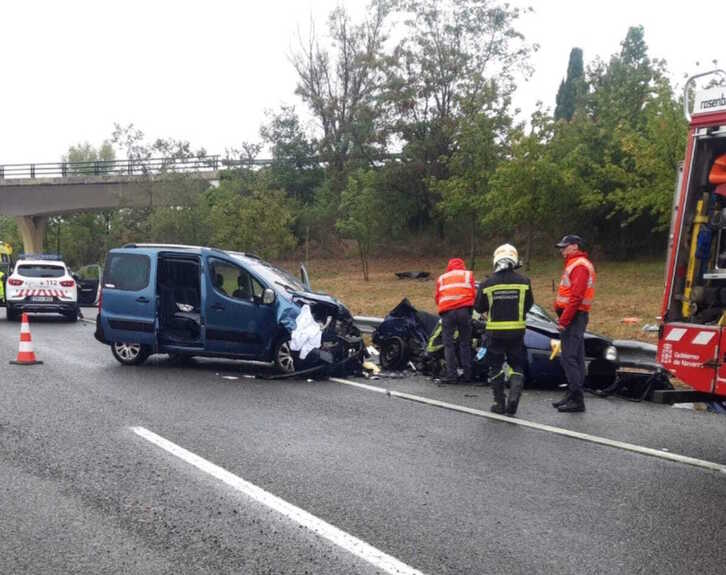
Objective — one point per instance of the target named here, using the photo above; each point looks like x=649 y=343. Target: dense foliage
x=416 y=146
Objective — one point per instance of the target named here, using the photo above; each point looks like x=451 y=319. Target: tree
x=572 y=89
x=295 y=164
x=341 y=86
x=361 y=208
x=457 y=59
x=529 y=192
x=481 y=144
x=245 y=215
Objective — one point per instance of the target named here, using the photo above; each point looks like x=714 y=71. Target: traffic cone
x=26 y=355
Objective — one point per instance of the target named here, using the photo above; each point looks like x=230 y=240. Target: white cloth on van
x=307 y=333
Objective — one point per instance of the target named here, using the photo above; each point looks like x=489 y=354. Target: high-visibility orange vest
x=563 y=293
x=455 y=289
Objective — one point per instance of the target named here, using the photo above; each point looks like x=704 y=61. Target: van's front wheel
x=130 y=353
x=284 y=359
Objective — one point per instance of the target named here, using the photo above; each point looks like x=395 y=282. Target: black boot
x=563 y=401
x=516 y=384
x=500 y=399
x=575 y=404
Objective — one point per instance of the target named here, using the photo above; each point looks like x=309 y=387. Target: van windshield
x=277 y=276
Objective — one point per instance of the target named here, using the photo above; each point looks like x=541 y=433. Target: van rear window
x=127 y=272
x=40 y=271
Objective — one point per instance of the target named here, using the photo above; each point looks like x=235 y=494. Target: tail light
x=15 y=282
x=67 y=283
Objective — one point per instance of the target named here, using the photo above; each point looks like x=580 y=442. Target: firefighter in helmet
x=506 y=297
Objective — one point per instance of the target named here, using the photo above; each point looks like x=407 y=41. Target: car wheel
x=11 y=314
x=393 y=353
x=601 y=374
x=130 y=353
x=284 y=358
x=71 y=316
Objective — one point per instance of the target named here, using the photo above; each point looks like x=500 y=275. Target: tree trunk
x=472 y=244
x=530 y=236
x=362 y=251
x=307 y=244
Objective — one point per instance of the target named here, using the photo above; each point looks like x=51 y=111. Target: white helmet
x=505 y=256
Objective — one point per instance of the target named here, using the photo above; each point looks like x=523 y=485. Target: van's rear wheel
x=284 y=359
x=130 y=353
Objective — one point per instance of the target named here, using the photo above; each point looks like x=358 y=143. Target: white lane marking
x=348 y=542
x=542 y=427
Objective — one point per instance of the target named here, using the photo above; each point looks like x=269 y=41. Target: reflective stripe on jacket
x=455 y=289
x=564 y=291
x=509 y=293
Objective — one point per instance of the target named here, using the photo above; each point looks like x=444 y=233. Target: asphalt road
x=438 y=490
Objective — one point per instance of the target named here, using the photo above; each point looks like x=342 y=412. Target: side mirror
x=268 y=296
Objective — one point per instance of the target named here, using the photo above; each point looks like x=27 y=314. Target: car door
x=88 y=280
x=129 y=307
x=237 y=322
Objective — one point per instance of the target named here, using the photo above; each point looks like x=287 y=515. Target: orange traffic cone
x=26 y=355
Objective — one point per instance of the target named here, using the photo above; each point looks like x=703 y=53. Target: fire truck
x=692 y=328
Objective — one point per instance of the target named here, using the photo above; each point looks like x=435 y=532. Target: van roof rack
x=173 y=246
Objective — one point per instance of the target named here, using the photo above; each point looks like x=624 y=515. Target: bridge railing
x=128 y=167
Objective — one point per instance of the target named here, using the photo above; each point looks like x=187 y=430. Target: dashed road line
x=540 y=427
x=342 y=539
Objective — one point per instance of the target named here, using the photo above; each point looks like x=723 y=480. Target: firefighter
x=455 y=293
x=506 y=297
x=573 y=303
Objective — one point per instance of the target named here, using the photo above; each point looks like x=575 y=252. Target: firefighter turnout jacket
x=455 y=288
x=507 y=297
x=577 y=287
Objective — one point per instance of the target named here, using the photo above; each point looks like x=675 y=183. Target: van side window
x=128 y=272
x=258 y=289
x=224 y=276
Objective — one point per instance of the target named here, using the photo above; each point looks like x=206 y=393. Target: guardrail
x=367 y=324
x=146 y=166
x=127 y=167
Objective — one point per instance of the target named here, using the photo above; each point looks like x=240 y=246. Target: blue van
x=198 y=301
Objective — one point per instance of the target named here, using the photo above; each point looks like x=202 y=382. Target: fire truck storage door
x=691 y=353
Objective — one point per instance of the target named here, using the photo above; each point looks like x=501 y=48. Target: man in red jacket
x=455 y=295
x=574 y=300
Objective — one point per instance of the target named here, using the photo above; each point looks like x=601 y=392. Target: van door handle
x=142 y=299
x=218 y=307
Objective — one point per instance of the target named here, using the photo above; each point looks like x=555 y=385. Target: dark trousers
x=451 y=321
x=509 y=347
x=573 y=352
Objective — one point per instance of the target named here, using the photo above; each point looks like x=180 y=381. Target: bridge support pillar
x=32 y=230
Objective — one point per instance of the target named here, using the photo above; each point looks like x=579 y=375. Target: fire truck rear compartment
x=699 y=294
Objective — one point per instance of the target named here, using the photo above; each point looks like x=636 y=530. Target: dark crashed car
x=408 y=337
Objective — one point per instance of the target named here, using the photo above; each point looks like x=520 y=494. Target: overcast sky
x=206 y=71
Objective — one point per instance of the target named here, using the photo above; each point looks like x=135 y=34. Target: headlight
x=611 y=353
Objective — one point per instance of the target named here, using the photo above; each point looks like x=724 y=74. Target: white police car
x=41 y=283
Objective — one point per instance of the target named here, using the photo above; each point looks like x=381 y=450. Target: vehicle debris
x=413 y=275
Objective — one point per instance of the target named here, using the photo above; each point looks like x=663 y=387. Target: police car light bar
x=48 y=257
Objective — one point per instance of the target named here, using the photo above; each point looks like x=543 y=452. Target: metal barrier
x=367 y=324
x=126 y=167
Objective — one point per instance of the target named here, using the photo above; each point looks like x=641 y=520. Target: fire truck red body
x=692 y=333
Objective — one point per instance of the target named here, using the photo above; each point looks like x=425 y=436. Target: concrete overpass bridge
x=34 y=192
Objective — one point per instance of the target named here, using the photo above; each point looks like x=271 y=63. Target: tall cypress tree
x=572 y=88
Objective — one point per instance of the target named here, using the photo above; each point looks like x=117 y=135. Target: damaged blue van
x=190 y=301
